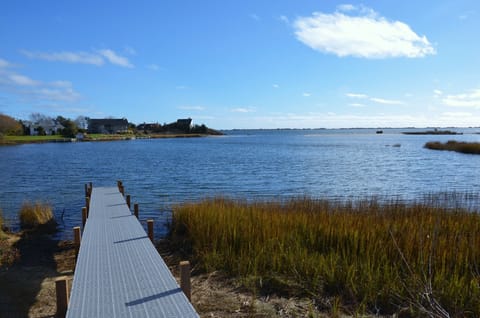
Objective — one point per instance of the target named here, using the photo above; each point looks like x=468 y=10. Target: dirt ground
x=27 y=288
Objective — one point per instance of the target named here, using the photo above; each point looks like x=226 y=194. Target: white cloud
x=356 y=105
x=56 y=94
x=306 y=94
x=197 y=108
x=37 y=91
x=98 y=58
x=354 y=95
x=374 y=99
x=365 y=35
x=346 y=7
x=386 y=101
x=69 y=57
x=4 y=64
x=243 y=110
x=22 y=80
x=116 y=59
x=275 y=86
x=437 y=92
x=470 y=99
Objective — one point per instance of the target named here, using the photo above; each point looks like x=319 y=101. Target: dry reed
x=36 y=215
x=375 y=257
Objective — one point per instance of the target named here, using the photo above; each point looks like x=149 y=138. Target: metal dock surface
x=119 y=273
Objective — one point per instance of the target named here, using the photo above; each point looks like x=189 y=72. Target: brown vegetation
x=363 y=257
x=37 y=215
x=452 y=145
x=9 y=126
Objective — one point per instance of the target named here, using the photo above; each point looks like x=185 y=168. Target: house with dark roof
x=108 y=126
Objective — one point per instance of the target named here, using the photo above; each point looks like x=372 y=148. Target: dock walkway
x=119 y=273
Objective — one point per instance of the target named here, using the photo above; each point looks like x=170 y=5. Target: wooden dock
x=119 y=273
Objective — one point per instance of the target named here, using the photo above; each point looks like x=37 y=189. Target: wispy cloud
x=275 y=86
x=354 y=95
x=68 y=57
x=4 y=63
x=356 y=105
x=284 y=19
x=360 y=32
x=386 y=101
x=374 y=99
x=22 y=80
x=197 y=108
x=97 y=58
x=470 y=99
x=153 y=67
x=243 y=110
x=306 y=94
x=437 y=92
x=116 y=59
x=254 y=16
x=26 y=88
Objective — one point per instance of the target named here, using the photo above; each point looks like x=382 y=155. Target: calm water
x=243 y=164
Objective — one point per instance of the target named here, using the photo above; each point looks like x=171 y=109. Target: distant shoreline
x=20 y=140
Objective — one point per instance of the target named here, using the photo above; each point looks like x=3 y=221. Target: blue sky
x=244 y=64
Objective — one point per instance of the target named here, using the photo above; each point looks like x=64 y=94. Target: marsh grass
x=38 y=216
x=452 y=145
x=378 y=257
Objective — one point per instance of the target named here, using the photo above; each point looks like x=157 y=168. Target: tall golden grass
x=375 y=257
x=452 y=145
x=35 y=215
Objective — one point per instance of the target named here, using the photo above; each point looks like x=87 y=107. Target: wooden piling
x=122 y=190
x=150 y=229
x=135 y=210
x=87 y=203
x=62 y=294
x=128 y=201
x=185 y=283
x=76 y=239
x=84 y=216
x=86 y=190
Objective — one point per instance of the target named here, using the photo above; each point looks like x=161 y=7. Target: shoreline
x=11 y=141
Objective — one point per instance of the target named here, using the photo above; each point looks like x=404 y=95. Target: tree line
x=67 y=127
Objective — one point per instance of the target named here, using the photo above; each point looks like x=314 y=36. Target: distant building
x=45 y=126
x=107 y=126
x=184 y=124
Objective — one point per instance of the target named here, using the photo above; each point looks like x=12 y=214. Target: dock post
x=122 y=190
x=185 y=284
x=128 y=201
x=135 y=210
x=84 y=216
x=76 y=239
x=87 y=203
x=150 y=229
x=62 y=294
x=86 y=190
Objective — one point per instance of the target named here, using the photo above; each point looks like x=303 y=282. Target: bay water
x=341 y=164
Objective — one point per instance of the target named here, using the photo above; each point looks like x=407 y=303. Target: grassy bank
x=452 y=145
x=12 y=140
x=361 y=256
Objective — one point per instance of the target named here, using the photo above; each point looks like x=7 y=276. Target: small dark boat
x=379 y=131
